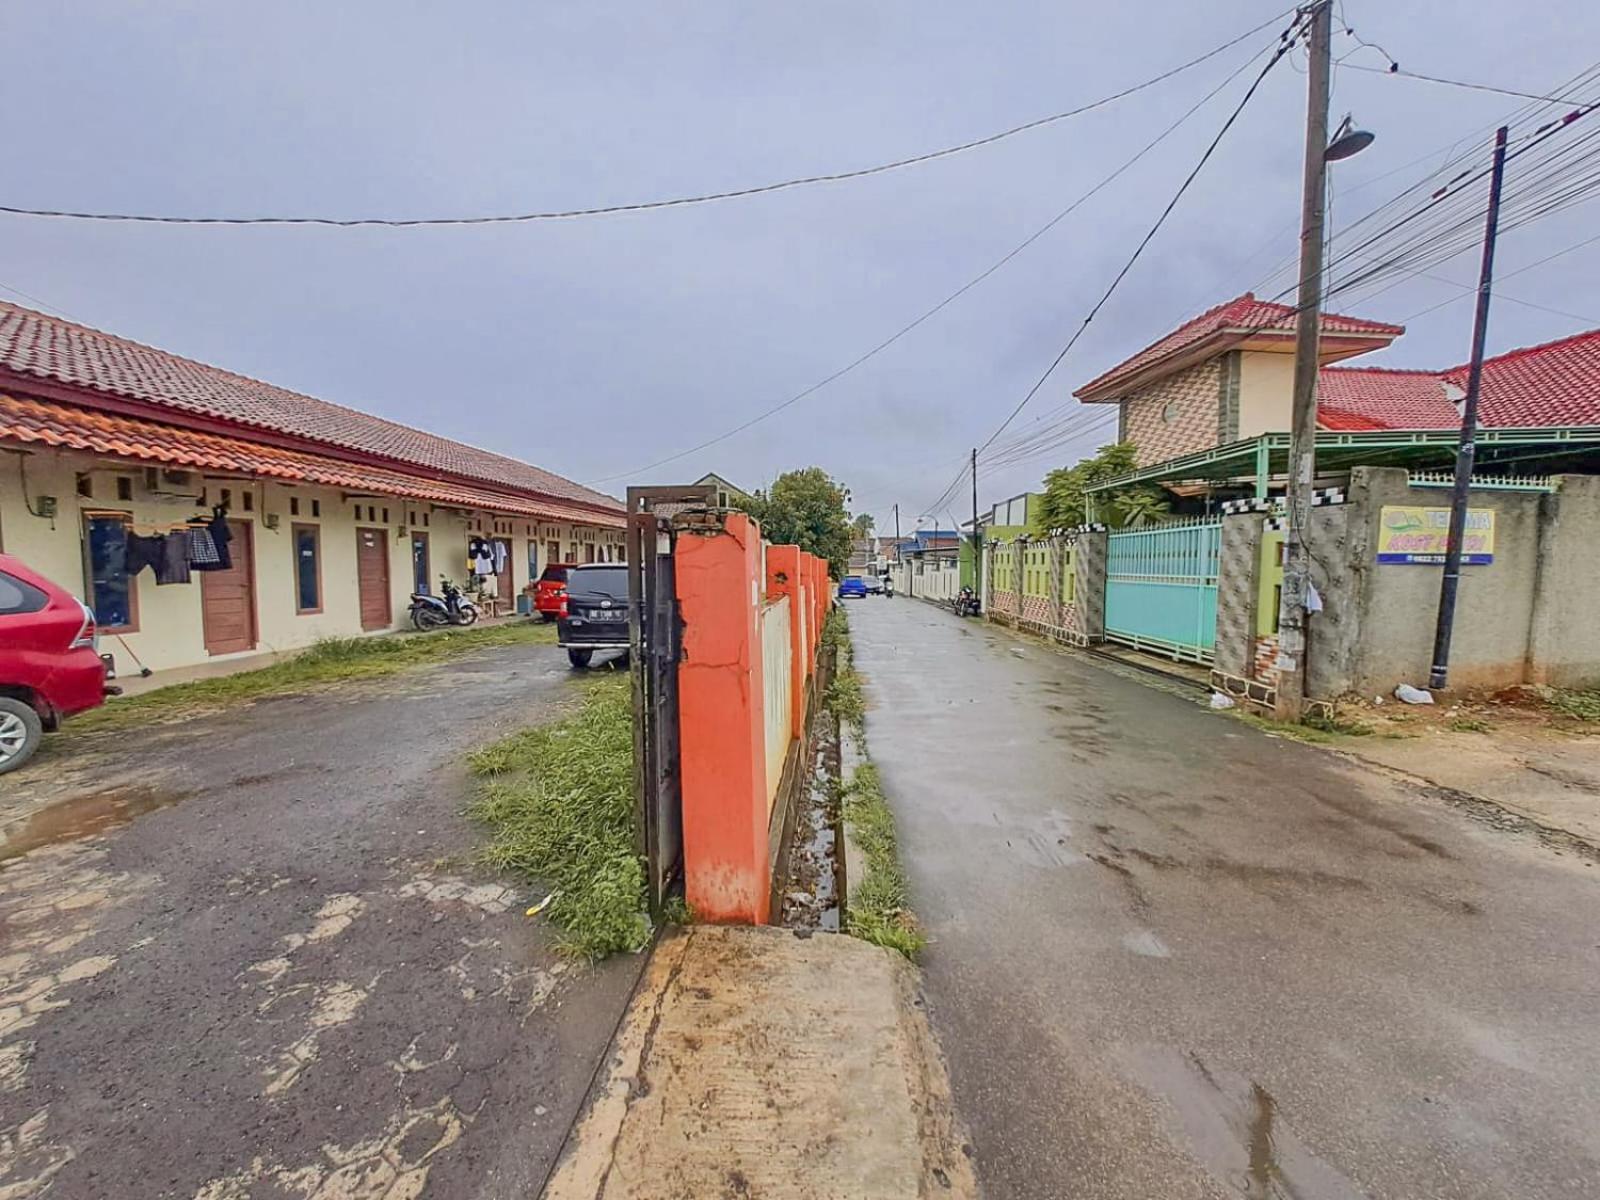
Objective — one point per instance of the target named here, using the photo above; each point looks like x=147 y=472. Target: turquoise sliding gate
x=1161 y=588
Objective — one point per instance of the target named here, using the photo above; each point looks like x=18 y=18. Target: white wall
x=169 y=630
x=1266 y=393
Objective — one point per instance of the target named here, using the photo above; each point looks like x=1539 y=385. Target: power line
x=1395 y=69
x=944 y=303
x=651 y=205
x=1286 y=42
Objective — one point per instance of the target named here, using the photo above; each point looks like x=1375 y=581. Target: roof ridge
x=1517 y=352
x=1384 y=370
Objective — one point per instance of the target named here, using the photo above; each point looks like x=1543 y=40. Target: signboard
x=1417 y=536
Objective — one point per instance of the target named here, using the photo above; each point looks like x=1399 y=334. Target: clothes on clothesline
x=174 y=566
x=480 y=556
x=173 y=555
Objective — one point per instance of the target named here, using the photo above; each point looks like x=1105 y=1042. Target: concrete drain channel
x=812 y=870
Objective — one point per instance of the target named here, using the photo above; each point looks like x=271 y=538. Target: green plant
x=844 y=699
x=323 y=663
x=559 y=800
x=1337 y=724
x=805 y=508
x=1066 y=499
x=1582 y=705
x=1469 y=725
x=677 y=911
x=878 y=909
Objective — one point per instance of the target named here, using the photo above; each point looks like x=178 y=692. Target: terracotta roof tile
x=1241 y=315
x=36 y=344
x=44 y=423
x=1357 y=398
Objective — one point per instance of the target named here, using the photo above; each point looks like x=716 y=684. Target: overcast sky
x=593 y=347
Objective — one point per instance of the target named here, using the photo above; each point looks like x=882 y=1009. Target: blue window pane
x=109 y=582
x=305 y=566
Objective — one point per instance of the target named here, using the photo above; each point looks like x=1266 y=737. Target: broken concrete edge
x=683 y=1045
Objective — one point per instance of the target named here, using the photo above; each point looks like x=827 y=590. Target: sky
x=593 y=347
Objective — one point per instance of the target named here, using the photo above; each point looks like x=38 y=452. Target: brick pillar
x=1090 y=564
x=722 y=744
x=1238 y=585
x=784 y=579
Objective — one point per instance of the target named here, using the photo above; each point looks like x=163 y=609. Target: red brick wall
x=1176 y=415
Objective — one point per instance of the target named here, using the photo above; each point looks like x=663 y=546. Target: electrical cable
x=651 y=205
x=944 y=303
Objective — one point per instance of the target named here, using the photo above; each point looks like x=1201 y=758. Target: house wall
x=1174 y=416
x=1266 y=393
x=170 y=633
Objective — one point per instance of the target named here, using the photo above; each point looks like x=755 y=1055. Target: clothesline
x=142 y=527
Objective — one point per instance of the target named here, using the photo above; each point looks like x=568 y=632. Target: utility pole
x=1466 y=452
x=1308 y=327
x=977 y=535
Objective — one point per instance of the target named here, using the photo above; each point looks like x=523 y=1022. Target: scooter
x=888 y=587
x=435 y=612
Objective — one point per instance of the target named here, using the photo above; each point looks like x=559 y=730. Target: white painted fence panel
x=775 y=618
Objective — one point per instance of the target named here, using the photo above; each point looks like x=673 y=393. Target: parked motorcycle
x=435 y=612
x=965 y=603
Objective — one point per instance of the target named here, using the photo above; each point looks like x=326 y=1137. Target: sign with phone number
x=1419 y=536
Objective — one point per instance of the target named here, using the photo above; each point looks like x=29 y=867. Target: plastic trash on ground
x=1218 y=700
x=1410 y=695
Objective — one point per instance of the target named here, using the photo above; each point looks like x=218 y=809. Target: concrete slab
x=754 y=1062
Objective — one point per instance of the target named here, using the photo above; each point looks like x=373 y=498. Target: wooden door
x=508 y=577
x=372 y=575
x=228 y=598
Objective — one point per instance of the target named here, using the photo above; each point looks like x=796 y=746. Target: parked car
x=852 y=585
x=874 y=584
x=550 y=593
x=50 y=664
x=596 y=612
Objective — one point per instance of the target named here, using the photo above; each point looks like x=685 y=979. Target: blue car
x=852 y=585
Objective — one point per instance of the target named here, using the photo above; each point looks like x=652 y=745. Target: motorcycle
x=435 y=612
x=888 y=587
x=965 y=603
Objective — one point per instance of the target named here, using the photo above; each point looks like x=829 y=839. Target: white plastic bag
x=1410 y=695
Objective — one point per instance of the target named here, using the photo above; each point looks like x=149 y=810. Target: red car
x=550 y=593
x=50 y=667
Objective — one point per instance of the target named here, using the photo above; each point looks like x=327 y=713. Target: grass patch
x=1317 y=730
x=559 y=800
x=878 y=910
x=1582 y=706
x=331 y=660
x=843 y=697
x=1469 y=725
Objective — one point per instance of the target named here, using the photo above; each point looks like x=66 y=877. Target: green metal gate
x=1161 y=588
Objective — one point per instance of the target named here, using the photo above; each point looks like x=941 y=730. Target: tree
x=1066 y=501
x=805 y=508
x=862 y=526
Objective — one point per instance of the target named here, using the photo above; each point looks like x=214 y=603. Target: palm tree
x=1137 y=507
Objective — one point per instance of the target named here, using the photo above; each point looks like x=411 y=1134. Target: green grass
x=843 y=697
x=1584 y=706
x=878 y=910
x=1469 y=725
x=558 y=799
x=331 y=660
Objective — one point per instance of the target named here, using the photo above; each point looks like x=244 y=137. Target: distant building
x=728 y=494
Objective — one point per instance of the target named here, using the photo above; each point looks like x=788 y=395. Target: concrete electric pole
x=1308 y=326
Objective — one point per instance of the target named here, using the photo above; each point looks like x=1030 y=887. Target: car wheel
x=579 y=658
x=547 y=616
x=20 y=733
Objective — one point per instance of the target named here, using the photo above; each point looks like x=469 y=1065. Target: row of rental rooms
x=333 y=518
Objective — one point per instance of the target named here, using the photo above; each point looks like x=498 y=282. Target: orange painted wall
x=721 y=724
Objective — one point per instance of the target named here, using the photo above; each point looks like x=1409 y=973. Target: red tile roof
x=46 y=347
x=50 y=424
x=1226 y=323
x=1557 y=383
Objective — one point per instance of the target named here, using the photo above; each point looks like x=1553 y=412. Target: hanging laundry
x=203 y=554
x=221 y=535
x=500 y=558
x=174 y=565
x=144 y=551
x=480 y=556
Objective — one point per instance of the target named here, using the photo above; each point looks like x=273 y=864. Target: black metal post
x=977 y=534
x=1466 y=453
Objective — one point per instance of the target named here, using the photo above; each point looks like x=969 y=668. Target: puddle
x=83 y=816
x=811 y=886
x=1233 y=1128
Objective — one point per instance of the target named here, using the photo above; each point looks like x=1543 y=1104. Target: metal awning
x=1254 y=463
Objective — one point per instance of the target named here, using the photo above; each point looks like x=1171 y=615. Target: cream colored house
x=336 y=516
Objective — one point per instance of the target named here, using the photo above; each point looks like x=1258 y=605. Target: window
x=316 y=508
x=124 y=488
x=114 y=596
x=86 y=486
x=294 y=506
x=249 y=499
x=227 y=497
x=307 y=542
x=386 y=516
x=18 y=597
x=424 y=520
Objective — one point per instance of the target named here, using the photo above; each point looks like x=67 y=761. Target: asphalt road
x=1171 y=956
x=283 y=976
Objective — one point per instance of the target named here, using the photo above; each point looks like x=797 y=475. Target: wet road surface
x=249 y=955
x=1173 y=957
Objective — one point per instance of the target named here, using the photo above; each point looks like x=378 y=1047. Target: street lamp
x=1348 y=141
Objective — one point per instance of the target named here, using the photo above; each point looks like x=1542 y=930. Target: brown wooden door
x=228 y=598
x=372 y=574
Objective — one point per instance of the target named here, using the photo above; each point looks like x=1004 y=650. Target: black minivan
x=597 y=611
